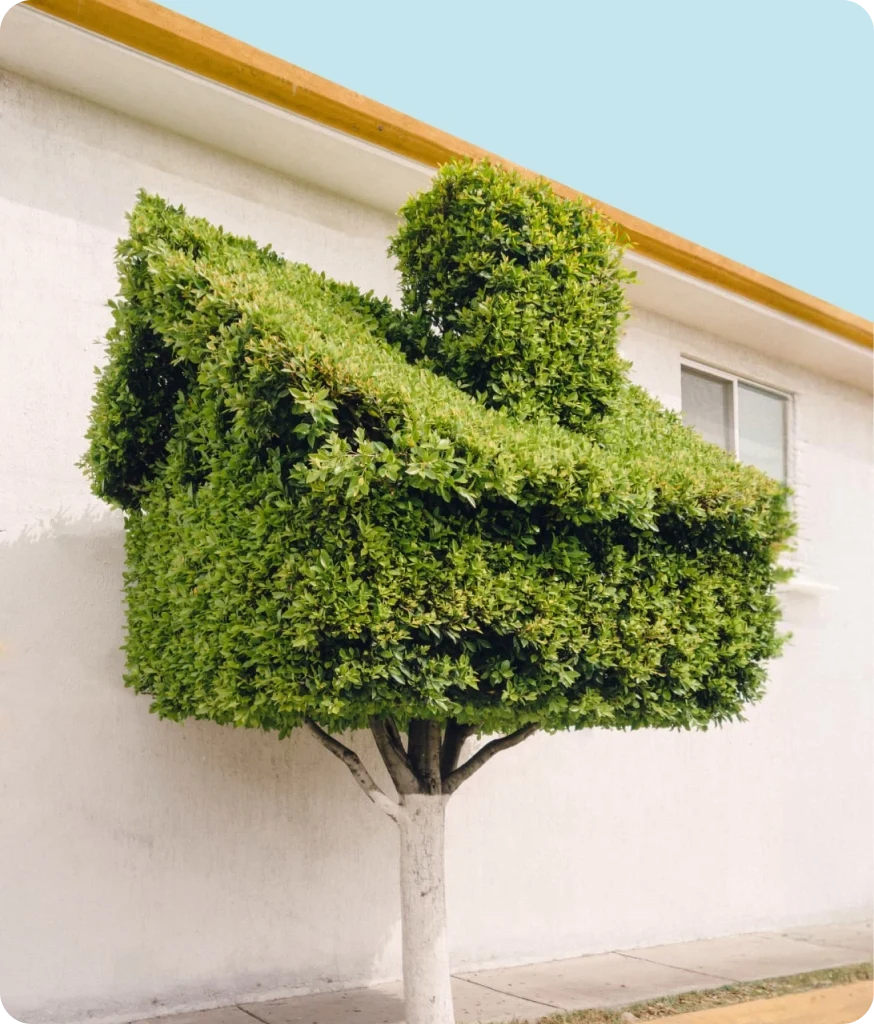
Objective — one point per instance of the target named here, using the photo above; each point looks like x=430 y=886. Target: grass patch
x=741 y=992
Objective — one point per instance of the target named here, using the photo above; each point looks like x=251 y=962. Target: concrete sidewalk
x=607 y=979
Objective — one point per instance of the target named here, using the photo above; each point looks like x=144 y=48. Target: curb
x=843 y=1004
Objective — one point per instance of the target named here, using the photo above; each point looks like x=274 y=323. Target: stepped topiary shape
x=442 y=521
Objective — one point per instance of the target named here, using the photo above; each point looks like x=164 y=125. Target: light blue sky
x=745 y=126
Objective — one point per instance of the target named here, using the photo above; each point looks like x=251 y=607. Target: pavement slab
x=533 y=991
x=857 y=936
x=223 y=1015
x=749 y=957
x=384 y=1004
x=608 y=979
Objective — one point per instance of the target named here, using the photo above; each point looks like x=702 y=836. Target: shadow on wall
x=147 y=866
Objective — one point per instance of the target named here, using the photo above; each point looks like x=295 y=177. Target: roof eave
x=170 y=37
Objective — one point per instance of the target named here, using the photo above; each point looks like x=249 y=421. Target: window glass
x=707 y=406
x=762 y=429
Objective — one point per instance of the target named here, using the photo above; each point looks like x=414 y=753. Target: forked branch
x=361 y=775
x=486 y=753
x=391 y=746
x=423 y=751
x=454 y=738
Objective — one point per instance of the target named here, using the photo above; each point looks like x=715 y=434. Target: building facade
x=147 y=867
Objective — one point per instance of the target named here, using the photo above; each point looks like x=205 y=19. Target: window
x=746 y=419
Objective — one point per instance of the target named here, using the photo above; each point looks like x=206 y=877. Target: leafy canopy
x=520 y=293
x=457 y=510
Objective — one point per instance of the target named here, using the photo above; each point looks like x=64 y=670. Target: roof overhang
x=137 y=58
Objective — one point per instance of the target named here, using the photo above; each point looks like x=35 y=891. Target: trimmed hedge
x=335 y=509
x=525 y=290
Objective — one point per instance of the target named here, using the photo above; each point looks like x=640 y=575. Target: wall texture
x=147 y=866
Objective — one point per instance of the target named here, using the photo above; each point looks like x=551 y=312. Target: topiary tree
x=445 y=521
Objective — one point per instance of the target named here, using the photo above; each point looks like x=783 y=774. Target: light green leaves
x=519 y=293
x=460 y=509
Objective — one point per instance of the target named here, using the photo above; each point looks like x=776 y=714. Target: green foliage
x=320 y=524
x=519 y=293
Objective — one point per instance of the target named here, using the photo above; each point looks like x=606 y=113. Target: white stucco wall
x=147 y=866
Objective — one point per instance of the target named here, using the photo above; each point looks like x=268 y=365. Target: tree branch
x=394 y=735
x=361 y=775
x=391 y=748
x=423 y=752
x=453 y=740
x=486 y=753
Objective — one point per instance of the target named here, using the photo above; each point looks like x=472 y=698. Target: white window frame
x=735 y=380
x=801 y=583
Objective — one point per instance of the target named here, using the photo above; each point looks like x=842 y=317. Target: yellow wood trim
x=161 y=33
x=843 y=1004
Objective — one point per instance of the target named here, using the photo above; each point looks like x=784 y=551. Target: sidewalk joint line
x=816 y=942
x=253 y=1015
x=688 y=970
x=513 y=995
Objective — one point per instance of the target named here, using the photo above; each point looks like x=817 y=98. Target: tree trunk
x=427 y=989
x=425 y=774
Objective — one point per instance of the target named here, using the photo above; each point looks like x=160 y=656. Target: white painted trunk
x=427 y=989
